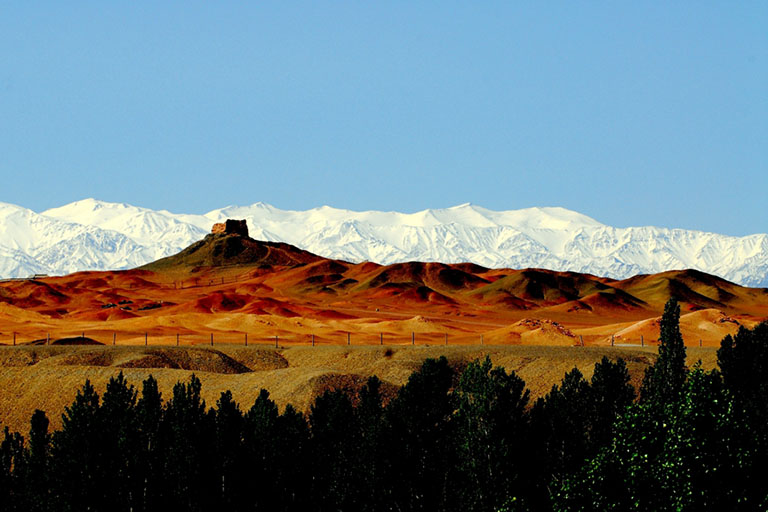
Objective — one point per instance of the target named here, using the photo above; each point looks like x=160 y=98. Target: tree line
x=449 y=440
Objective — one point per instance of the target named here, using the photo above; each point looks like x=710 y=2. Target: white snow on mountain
x=96 y=235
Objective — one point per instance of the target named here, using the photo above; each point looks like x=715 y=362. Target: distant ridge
x=96 y=235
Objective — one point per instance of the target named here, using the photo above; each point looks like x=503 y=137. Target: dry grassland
x=48 y=377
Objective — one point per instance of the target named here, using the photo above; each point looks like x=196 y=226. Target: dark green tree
x=639 y=439
x=149 y=476
x=613 y=479
x=743 y=360
x=119 y=444
x=573 y=422
x=229 y=450
x=491 y=434
x=335 y=438
x=77 y=455
x=682 y=455
x=37 y=467
x=560 y=431
x=188 y=457
x=373 y=461
x=422 y=455
x=12 y=470
x=261 y=449
x=664 y=380
x=278 y=466
x=293 y=469
x=611 y=394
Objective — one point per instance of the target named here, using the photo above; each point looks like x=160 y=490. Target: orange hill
x=229 y=286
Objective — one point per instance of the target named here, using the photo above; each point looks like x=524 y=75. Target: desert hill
x=232 y=248
x=229 y=286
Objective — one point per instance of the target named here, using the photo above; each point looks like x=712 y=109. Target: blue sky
x=654 y=113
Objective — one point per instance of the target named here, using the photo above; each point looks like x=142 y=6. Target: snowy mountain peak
x=93 y=234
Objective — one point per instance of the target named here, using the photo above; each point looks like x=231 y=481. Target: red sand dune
x=294 y=293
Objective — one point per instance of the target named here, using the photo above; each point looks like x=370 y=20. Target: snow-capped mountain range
x=96 y=235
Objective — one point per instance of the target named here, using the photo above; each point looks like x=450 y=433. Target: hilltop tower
x=231 y=227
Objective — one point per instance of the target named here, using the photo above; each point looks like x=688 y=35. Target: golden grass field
x=48 y=377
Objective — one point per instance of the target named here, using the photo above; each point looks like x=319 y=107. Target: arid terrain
x=47 y=378
x=228 y=290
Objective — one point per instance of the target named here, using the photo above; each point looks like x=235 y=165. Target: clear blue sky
x=648 y=114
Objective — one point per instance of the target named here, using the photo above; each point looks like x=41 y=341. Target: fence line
x=214 y=338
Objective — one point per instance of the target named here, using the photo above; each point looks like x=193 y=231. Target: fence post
x=413 y=338
x=146 y=338
x=611 y=339
x=642 y=341
x=381 y=338
x=349 y=341
x=47 y=338
x=246 y=339
x=699 y=341
x=313 y=339
x=211 y=339
x=581 y=339
x=275 y=340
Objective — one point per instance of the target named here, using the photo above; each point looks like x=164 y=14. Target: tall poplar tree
x=664 y=381
x=119 y=444
x=77 y=452
x=149 y=475
x=37 y=483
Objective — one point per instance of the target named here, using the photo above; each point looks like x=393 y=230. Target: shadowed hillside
x=225 y=249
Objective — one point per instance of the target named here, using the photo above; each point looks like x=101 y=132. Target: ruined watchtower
x=231 y=227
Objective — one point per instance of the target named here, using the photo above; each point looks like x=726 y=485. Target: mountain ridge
x=97 y=235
